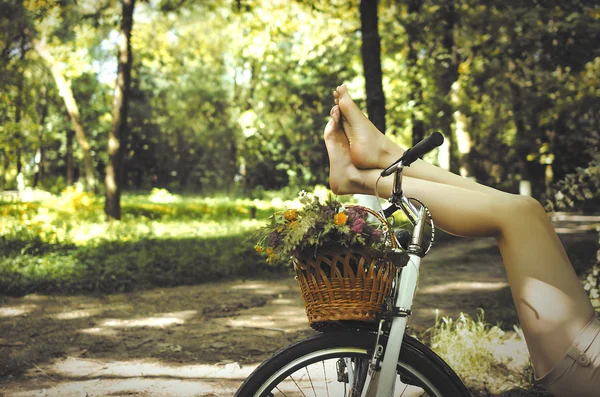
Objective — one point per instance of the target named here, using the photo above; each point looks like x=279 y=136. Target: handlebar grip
x=425 y=146
x=411 y=155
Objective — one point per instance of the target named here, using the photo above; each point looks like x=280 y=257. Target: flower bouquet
x=343 y=263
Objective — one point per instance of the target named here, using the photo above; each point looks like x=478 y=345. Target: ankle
x=388 y=154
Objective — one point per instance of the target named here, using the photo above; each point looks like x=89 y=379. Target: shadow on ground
x=203 y=340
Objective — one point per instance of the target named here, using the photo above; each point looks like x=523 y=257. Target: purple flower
x=377 y=234
x=358 y=225
x=355 y=213
x=329 y=212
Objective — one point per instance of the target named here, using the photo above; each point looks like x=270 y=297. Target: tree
x=114 y=169
x=56 y=21
x=371 y=59
x=413 y=28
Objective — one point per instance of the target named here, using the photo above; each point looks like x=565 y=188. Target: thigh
x=578 y=373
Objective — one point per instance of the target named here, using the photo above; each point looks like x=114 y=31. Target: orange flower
x=340 y=219
x=293 y=224
x=258 y=248
x=269 y=251
x=290 y=215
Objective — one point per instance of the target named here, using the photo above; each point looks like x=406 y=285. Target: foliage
x=466 y=343
x=115 y=266
x=321 y=225
x=240 y=108
x=474 y=349
x=591 y=282
x=580 y=187
x=63 y=244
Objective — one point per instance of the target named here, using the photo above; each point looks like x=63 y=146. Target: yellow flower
x=269 y=251
x=340 y=219
x=279 y=229
x=290 y=215
x=258 y=248
x=293 y=224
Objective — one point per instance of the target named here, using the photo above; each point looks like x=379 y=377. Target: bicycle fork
x=381 y=377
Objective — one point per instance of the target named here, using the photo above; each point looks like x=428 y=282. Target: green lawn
x=64 y=245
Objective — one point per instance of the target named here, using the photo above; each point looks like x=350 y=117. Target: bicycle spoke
x=410 y=390
x=322 y=384
x=325 y=376
x=342 y=371
x=298 y=386
x=311 y=382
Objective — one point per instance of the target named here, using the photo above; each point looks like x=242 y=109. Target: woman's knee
x=522 y=207
x=529 y=205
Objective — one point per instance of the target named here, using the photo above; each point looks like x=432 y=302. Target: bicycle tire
x=418 y=367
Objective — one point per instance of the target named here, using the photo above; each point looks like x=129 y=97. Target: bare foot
x=344 y=177
x=369 y=148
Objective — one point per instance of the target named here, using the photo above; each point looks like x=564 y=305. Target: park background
x=141 y=142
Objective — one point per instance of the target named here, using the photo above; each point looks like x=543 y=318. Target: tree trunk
x=4 y=168
x=69 y=160
x=114 y=168
x=64 y=90
x=448 y=76
x=39 y=158
x=371 y=56
x=521 y=140
x=412 y=28
x=18 y=111
x=462 y=135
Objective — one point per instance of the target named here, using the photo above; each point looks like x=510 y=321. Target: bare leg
x=550 y=301
x=369 y=148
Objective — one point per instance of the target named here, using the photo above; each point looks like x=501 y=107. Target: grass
x=489 y=360
x=64 y=245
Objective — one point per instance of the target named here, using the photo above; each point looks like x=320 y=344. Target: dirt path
x=204 y=340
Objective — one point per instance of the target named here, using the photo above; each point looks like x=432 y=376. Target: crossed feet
x=354 y=145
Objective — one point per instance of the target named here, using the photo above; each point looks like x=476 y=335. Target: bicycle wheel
x=332 y=363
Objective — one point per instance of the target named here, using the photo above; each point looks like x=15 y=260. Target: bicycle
x=358 y=359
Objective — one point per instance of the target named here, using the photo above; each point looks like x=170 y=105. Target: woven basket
x=344 y=285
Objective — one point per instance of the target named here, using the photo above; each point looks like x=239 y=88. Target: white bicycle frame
x=380 y=382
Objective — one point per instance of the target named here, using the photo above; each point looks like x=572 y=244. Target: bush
x=64 y=244
x=579 y=189
x=477 y=352
x=591 y=283
x=51 y=272
x=466 y=344
x=114 y=266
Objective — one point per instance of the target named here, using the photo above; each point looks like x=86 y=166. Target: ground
x=204 y=340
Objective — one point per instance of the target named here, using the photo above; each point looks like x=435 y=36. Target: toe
x=328 y=131
x=335 y=114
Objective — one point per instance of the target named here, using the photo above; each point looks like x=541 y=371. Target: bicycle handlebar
x=411 y=155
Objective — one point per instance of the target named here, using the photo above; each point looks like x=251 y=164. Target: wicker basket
x=344 y=285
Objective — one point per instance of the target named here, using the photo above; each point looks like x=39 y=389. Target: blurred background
x=165 y=114
x=143 y=141
x=231 y=96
